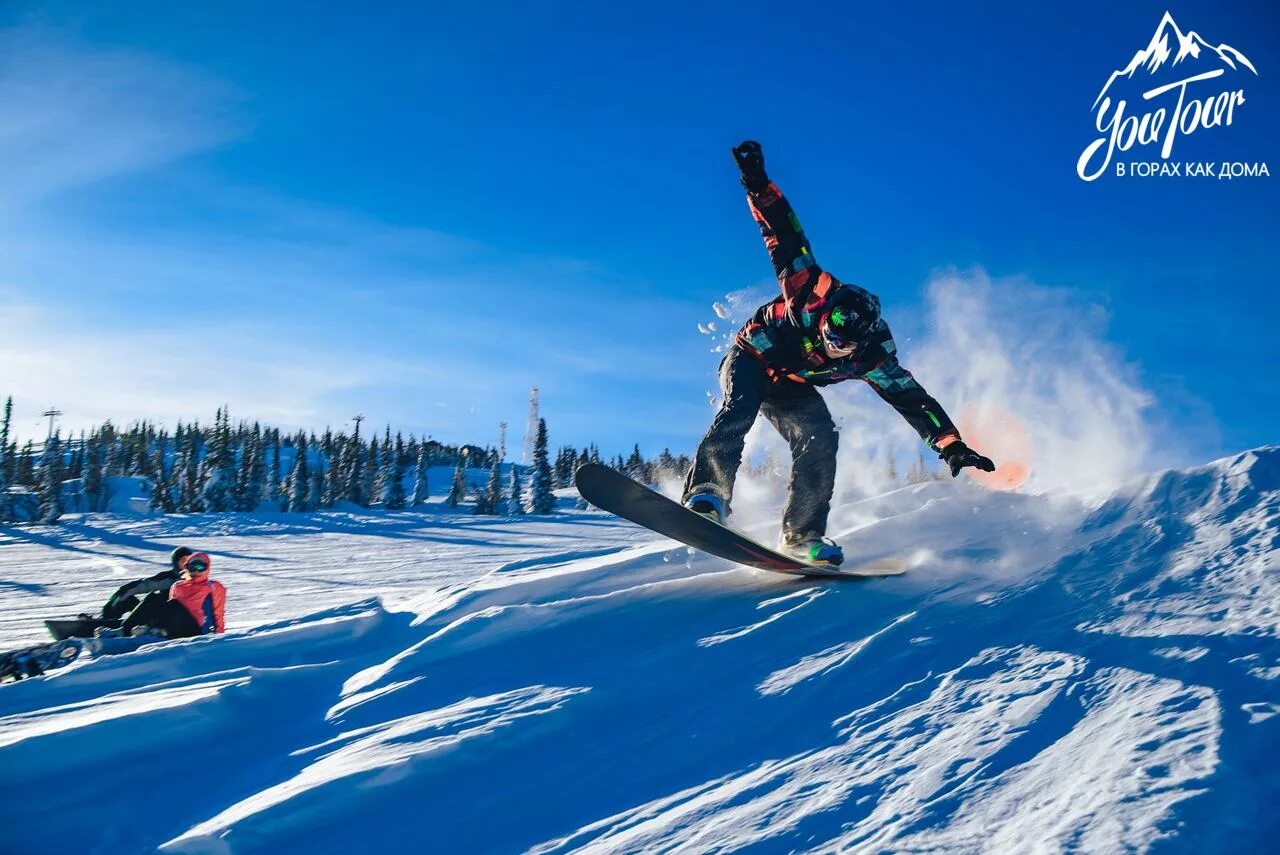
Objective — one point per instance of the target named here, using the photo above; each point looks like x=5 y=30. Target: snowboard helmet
x=196 y=564
x=175 y=557
x=852 y=318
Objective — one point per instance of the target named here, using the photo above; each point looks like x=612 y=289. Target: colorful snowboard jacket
x=783 y=333
x=205 y=599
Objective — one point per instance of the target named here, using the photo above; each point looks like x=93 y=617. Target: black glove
x=958 y=456
x=750 y=160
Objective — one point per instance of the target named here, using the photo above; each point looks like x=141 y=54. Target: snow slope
x=1049 y=676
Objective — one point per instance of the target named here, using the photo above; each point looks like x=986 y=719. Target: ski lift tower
x=52 y=413
x=531 y=429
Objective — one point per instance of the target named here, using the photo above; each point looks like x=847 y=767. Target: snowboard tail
x=34 y=661
x=614 y=492
x=77 y=627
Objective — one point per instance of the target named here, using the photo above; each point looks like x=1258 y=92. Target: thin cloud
x=72 y=114
x=290 y=310
x=183 y=373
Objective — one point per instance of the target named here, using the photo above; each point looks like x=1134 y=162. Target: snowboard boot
x=706 y=503
x=813 y=549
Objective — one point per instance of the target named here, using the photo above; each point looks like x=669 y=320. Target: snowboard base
x=614 y=492
x=34 y=661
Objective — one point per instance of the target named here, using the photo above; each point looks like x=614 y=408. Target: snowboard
x=34 y=661
x=614 y=492
x=76 y=627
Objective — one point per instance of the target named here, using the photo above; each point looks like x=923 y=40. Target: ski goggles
x=196 y=564
x=835 y=341
x=843 y=329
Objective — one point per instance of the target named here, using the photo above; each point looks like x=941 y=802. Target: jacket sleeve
x=219 y=607
x=793 y=262
x=900 y=390
x=141 y=587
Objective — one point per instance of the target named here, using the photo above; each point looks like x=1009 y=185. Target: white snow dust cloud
x=1040 y=356
x=1025 y=370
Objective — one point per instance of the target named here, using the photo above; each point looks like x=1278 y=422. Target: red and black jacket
x=783 y=333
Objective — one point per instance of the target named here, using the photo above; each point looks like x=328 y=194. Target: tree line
x=243 y=467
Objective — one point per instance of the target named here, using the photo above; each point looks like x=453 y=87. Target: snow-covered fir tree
x=354 y=465
x=75 y=462
x=384 y=472
x=188 y=490
x=116 y=452
x=25 y=468
x=257 y=484
x=218 y=478
x=636 y=468
x=369 y=473
x=247 y=492
x=299 y=479
x=666 y=465
x=140 y=460
x=515 y=493
x=5 y=472
x=315 y=492
x=70 y=453
x=489 y=500
x=95 y=485
x=333 y=470
x=420 y=486
x=161 y=489
x=393 y=496
x=458 y=488
x=275 y=472
x=51 y=481
x=541 y=500
x=562 y=469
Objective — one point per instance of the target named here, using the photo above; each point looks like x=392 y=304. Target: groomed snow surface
x=1049 y=676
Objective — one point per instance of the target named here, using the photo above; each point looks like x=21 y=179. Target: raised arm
x=793 y=261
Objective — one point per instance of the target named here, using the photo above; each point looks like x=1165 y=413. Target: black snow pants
x=159 y=612
x=800 y=415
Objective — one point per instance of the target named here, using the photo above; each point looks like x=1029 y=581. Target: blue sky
x=419 y=211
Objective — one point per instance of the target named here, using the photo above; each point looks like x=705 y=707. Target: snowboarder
x=818 y=331
x=194 y=605
x=127 y=597
x=124 y=600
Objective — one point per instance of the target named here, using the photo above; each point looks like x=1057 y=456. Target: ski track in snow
x=1050 y=676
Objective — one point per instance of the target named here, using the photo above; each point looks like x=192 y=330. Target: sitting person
x=194 y=605
x=127 y=597
x=124 y=600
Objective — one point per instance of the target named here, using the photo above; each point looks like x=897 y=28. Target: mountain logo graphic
x=1190 y=46
x=1174 y=98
